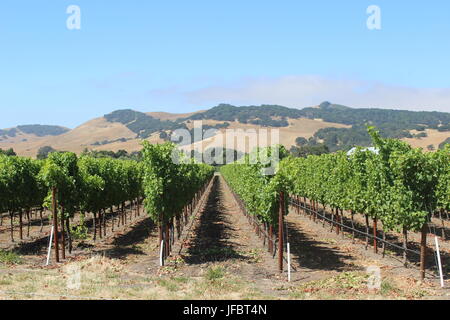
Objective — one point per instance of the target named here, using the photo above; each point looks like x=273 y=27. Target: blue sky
x=180 y=56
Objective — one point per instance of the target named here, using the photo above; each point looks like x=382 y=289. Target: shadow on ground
x=120 y=247
x=126 y=243
x=393 y=252
x=314 y=254
x=212 y=233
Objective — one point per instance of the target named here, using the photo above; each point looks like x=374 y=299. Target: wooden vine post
x=55 y=224
x=20 y=225
x=271 y=238
x=138 y=209
x=375 y=244
x=423 y=251
x=280 y=232
x=63 y=236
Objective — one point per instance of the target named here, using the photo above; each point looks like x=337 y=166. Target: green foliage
x=307 y=150
x=104 y=142
x=420 y=135
x=259 y=191
x=43 y=152
x=8 y=132
x=259 y=115
x=60 y=171
x=19 y=186
x=381 y=118
x=301 y=141
x=344 y=139
x=170 y=180
x=80 y=231
x=120 y=154
x=42 y=130
x=391 y=123
x=9 y=152
x=88 y=184
x=140 y=123
x=107 y=182
x=399 y=185
x=444 y=143
x=215 y=273
x=9 y=257
x=387 y=287
x=442 y=159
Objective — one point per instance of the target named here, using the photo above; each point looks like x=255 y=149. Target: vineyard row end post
x=280 y=232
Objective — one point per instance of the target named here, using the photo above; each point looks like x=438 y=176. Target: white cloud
x=303 y=91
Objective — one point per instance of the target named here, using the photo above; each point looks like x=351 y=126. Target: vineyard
x=69 y=187
x=399 y=186
x=392 y=197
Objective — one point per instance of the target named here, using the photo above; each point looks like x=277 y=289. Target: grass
x=418 y=293
x=345 y=280
x=335 y=287
x=254 y=255
x=215 y=273
x=172 y=284
x=5 y=282
x=181 y=279
x=353 y=285
x=298 y=295
x=168 y=284
x=387 y=288
x=9 y=257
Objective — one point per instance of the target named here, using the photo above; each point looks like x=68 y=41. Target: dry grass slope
x=99 y=130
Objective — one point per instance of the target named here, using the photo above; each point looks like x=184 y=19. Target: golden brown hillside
x=99 y=130
x=100 y=134
x=434 y=138
x=76 y=140
x=287 y=135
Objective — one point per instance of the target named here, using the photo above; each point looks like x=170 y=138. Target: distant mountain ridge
x=264 y=114
x=35 y=129
x=336 y=126
x=392 y=123
x=379 y=117
x=140 y=123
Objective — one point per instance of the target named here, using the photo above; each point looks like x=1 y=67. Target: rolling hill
x=336 y=126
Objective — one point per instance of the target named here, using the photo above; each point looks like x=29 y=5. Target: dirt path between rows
x=223 y=234
x=316 y=248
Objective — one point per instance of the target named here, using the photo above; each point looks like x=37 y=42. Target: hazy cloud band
x=303 y=91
